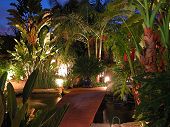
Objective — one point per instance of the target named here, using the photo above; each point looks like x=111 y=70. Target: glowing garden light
x=59 y=82
x=62 y=71
x=10 y=75
x=106 y=79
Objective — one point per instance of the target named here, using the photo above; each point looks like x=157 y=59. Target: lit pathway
x=84 y=103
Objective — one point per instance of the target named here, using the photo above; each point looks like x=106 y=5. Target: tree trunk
x=148 y=58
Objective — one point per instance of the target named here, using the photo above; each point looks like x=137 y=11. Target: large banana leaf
x=19 y=116
x=29 y=85
x=2 y=108
x=11 y=101
x=53 y=118
x=37 y=121
x=42 y=117
x=3 y=80
x=50 y=118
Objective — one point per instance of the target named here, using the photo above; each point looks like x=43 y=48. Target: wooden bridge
x=84 y=103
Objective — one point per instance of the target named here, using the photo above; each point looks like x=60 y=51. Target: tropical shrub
x=153 y=85
x=121 y=80
x=39 y=55
x=85 y=68
x=154 y=97
x=13 y=115
x=125 y=65
x=4 y=66
x=34 y=49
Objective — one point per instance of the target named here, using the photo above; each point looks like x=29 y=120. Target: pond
x=41 y=101
x=113 y=110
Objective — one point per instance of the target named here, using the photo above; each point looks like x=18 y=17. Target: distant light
x=101 y=74
x=59 y=82
x=10 y=75
x=62 y=71
x=106 y=79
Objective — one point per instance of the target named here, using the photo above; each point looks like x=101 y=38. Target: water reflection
x=41 y=101
x=111 y=108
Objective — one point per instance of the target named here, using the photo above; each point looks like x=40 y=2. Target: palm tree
x=149 y=10
x=90 y=22
x=28 y=17
x=104 y=21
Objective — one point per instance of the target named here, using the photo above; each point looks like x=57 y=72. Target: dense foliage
x=130 y=36
x=17 y=115
x=85 y=68
x=154 y=94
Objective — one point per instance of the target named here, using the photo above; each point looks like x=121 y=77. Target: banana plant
x=13 y=115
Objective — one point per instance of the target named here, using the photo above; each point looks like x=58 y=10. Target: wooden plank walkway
x=84 y=103
x=130 y=124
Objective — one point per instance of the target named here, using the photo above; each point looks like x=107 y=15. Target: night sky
x=5 y=5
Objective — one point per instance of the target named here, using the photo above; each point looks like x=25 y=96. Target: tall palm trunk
x=148 y=58
x=96 y=47
x=88 y=47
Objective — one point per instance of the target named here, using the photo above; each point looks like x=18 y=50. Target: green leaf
x=2 y=108
x=11 y=101
x=3 y=80
x=50 y=118
x=29 y=85
x=43 y=117
x=54 y=117
x=42 y=35
x=19 y=116
x=37 y=121
x=154 y=13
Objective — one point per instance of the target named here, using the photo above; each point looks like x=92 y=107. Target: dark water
x=113 y=110
x=41 y=101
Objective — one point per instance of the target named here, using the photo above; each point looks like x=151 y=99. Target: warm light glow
x=58 y=99
x=62 y=71
x=47 y=38
x=53 y=61
x=106 y=79
x=101 y=74
x=59 y=82
x=48 y=52
x=10 y=75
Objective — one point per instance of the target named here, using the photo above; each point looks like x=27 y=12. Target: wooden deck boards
x=84 y=103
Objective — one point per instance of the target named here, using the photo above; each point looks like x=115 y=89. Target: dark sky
x=4 y=5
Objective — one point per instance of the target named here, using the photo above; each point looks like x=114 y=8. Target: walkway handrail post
x=115 y=117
